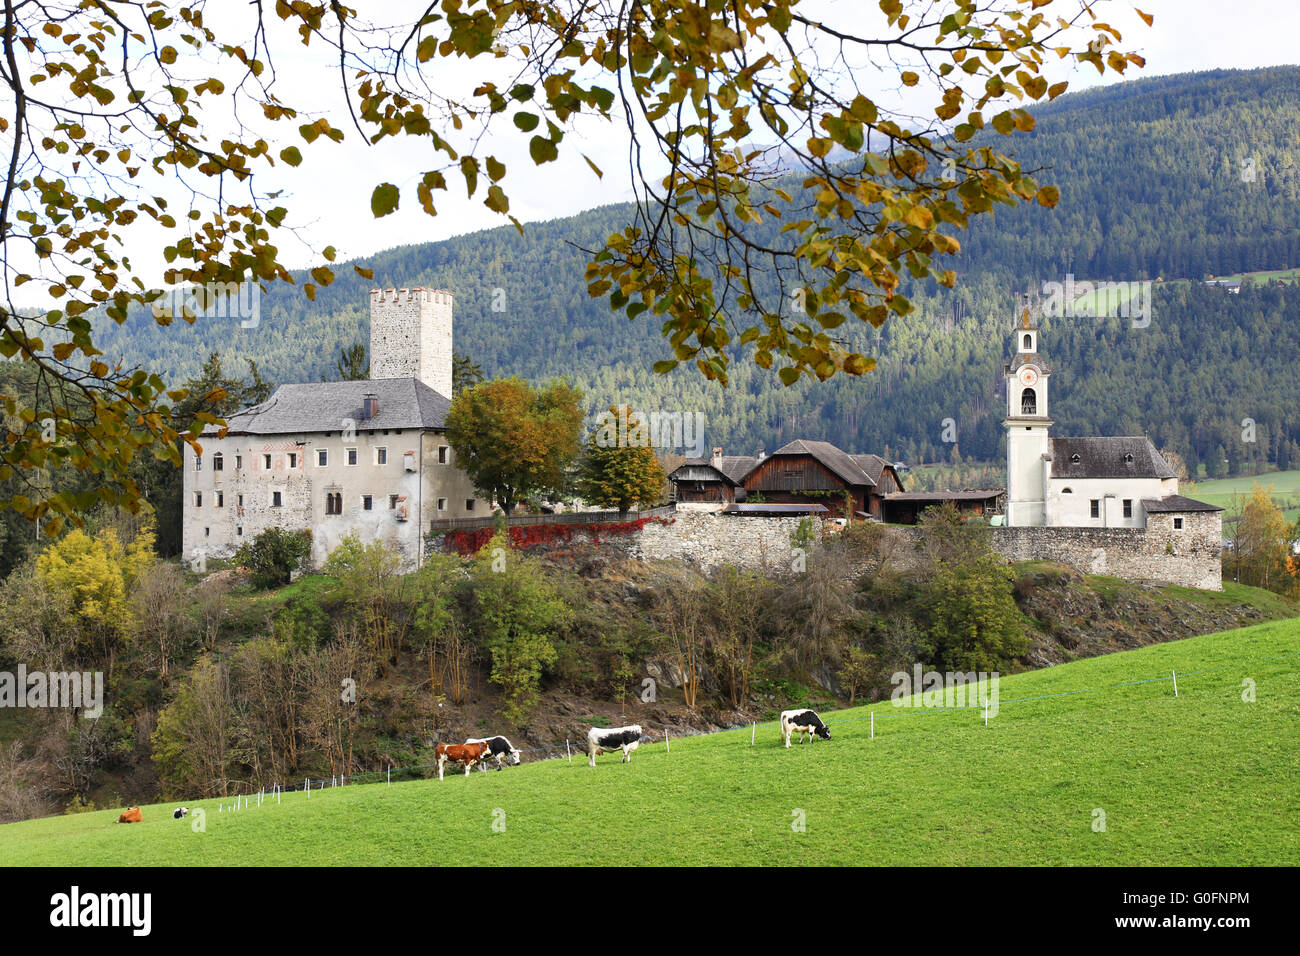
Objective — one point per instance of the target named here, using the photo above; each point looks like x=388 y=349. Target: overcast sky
x=329 y=194
x=1188 y=35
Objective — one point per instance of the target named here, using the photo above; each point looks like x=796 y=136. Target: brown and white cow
x=467 y=754
x=132 y=815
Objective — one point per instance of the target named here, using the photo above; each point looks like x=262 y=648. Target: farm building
x=800 y=473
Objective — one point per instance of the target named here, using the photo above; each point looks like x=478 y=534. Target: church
x=365 y=458
x=1113 y=482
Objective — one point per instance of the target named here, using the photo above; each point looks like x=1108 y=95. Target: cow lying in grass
x=498 y=747
x=803 y=721
x=601 y=739
x=133 y=815
x=467 y=754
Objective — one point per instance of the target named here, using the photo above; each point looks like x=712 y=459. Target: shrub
x=274 y=555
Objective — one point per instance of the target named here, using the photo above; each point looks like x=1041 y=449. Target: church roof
x=1115 y=457
x=1176 y=504
x=327 y=406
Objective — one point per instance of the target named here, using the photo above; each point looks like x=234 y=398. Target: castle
x=365 y=458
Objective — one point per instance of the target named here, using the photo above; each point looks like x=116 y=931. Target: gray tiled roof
x=1176 y=503
x=732 y=467
x=1118 y=457
x=325 y=406
x=873 y=465
x=840 y=463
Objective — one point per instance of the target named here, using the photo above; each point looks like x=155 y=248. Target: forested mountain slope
x=1152 y=185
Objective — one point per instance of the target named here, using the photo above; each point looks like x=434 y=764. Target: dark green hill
x=1151 y=181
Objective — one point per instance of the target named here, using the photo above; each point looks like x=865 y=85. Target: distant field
x=1266 y=275
x=1229 y=493
x=1202 y=778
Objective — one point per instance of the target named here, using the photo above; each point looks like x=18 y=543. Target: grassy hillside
x=1204 y=778
x=1230 y=493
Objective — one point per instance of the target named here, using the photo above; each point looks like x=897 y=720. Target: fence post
x=567 y=750
x=666 y=744
x=1175 y=676
x=753 y=729
x=306 y=785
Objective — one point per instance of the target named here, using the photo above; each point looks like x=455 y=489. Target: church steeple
x=1027 y=424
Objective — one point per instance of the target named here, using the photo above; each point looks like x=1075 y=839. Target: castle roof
x=328 y=406
x=1116 y=457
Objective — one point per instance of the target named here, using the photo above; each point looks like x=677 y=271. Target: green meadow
x=1112 y=770
x=1231 y=493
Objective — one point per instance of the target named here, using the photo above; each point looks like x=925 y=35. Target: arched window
x=1029 y=402
x=1067 y=491
x=1029 y=341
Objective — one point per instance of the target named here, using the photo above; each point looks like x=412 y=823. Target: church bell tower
x=1028 y=446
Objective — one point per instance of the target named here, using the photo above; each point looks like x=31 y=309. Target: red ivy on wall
x=469 y=543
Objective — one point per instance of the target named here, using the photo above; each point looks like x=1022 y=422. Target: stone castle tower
x=410 y=336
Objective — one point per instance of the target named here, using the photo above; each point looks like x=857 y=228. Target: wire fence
x=571 y=747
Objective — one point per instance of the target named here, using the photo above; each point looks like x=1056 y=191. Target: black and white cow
x=500 y=748
x=180 y=812
x=803 y=721
x=601 y=739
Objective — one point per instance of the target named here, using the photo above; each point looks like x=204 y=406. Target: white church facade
x=1110 y=482
x=365 y=458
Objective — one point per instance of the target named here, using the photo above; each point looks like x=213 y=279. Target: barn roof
x=327 y=406
x=873 y=465
x=839 y=463
x=730 y=468
x=1176 y=504
x=1118 y=457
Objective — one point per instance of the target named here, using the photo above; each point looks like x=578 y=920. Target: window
x=239 y=500
x=293 y=459
x=275 y=499
x=352 y=456
x=469 y=504
x=442 y=504
x=366 y=502
x=1067 y=491
x=333 y=503
x=1075 y=459
x=221 y=499
x=322 y=457
x=1029 y=341
x=392 y=502
x=1029 y=402
x=266 y=462
x=381 y=456
x=1128 y=459
x=1178 y=524
x=207 y=532
x=239 y=530
x=1096 y=508
x=239 y=462
x=198 y=499
x=198 y=462
x=217 y=462
x=1128 y=507
x=442 y=454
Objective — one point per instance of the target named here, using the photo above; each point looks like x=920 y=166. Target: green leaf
x=526 y=121
x=384 y=199
x=542 y=150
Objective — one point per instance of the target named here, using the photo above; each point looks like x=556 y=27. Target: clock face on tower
x=1027 y=375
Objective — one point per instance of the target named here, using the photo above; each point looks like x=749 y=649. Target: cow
x=600 y=739
x=132 y=815
x=180 y=812
x=467 y=754
x=803 y=721
x=498 y=747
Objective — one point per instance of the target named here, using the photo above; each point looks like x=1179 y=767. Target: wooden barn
x=906 y=507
